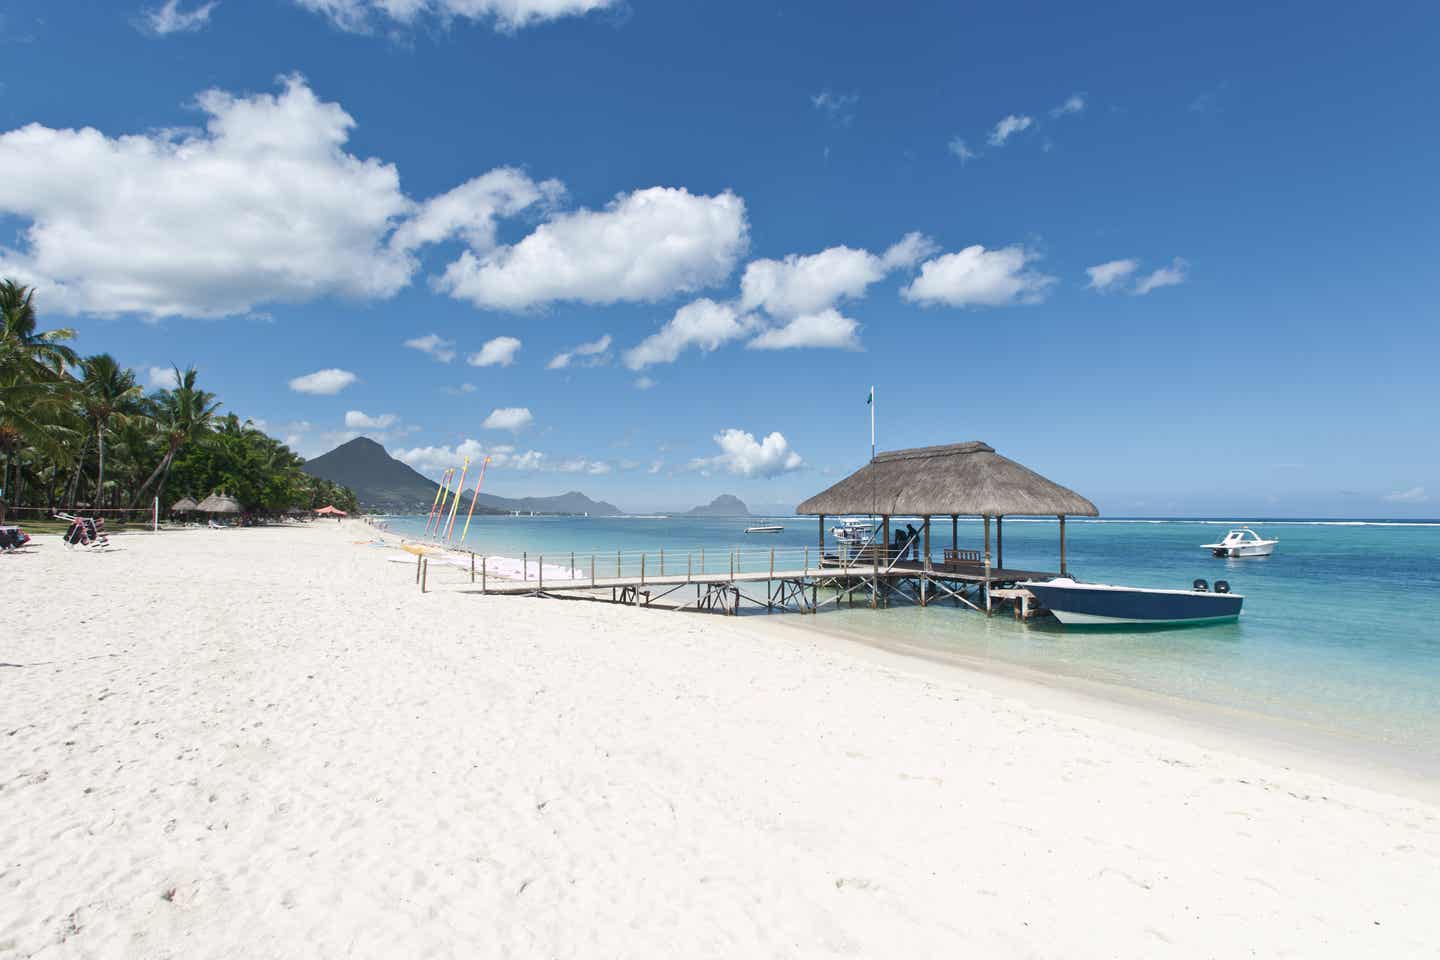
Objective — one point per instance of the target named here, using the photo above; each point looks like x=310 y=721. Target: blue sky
x=748 y=213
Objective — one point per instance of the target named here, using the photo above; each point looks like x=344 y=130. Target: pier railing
x=669 y=564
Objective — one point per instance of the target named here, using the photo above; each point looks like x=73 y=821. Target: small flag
x=870 y=398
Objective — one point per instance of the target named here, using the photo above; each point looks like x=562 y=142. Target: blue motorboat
x=1103 y=604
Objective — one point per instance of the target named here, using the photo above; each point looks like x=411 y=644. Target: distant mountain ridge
x=385 y=484
x=574 y=503
x=724 y=505
x=379 y=480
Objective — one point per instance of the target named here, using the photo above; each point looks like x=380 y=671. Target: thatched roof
x=969 y=479
x=219 y=503
x=183 y=505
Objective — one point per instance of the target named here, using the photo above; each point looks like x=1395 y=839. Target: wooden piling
x=424 y=575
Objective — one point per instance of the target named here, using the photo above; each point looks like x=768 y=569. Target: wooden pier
x=954 y=480
x=799 y=580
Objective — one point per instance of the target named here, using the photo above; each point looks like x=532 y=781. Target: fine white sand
x=269 y=743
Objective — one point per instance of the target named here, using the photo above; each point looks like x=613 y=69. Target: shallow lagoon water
x=1340 y=632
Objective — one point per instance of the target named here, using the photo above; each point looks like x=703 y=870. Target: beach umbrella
x=183 y=505
x=219 y=503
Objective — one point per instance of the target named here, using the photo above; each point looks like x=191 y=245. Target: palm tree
x=17 y=328
x=182 y=413
x=33 y=413
x=110 y=397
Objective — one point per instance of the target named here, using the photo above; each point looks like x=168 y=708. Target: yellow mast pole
x=440 y=508
x=429 y=516
x=455 y=507
x=476 y=496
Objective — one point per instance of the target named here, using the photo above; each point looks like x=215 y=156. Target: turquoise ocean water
x=1340 y=632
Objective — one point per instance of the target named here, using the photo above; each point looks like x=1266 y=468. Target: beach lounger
x=84 y=531
x=12 y=539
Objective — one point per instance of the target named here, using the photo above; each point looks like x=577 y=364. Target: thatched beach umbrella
x=219 y=503
x=183 y=505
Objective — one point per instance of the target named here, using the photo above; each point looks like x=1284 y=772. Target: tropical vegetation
x=80 y=432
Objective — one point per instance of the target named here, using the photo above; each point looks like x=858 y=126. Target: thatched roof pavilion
x=219 y=503
x=955 y=480
x=183 y=505
x=965 y=479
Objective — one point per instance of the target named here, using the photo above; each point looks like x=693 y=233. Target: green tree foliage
x=81 y=432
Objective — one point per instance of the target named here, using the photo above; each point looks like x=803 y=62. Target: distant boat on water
x=1103 y=604
x=1242 y=542
x=765 y=528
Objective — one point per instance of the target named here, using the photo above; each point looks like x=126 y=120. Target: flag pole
x=872 y=423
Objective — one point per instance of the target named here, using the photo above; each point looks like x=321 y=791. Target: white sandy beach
x=269 y=743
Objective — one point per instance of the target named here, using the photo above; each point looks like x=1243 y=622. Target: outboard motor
x=1222 y=586
x=1200 y=586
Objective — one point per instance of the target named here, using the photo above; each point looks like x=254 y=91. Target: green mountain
x=722 y=506
x=382 y=483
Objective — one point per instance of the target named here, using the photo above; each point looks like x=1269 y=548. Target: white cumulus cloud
x=799 y=285
x=643 y=246
x=740 y=453
x=162 y=378
x=508 y=16
x=434 y=345
x=264 y=204
x=826 y=328
x=325 y=382
x=1413 y=495
x=978 y=277
x=1008 y=127
x=499 y=352
x=960 y=149
x=472 y=209
x=1170 y=276
x=594 y=353
x=169 y=18
x=704 y=323
x=1075 y=103
x=356 y=420
x=508 y=418
x=1106 y=276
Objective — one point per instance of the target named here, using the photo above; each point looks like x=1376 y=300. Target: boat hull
x=1094 y=605
x=1257 y=550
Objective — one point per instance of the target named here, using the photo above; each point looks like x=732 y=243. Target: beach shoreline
x=270 y=742
x=1344 y=755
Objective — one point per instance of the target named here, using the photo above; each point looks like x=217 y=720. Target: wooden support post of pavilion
x=1000 y=542
x=987 y=564
x=1062 y=546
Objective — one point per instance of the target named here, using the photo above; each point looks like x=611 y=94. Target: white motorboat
x=853 y=536
x=1242 y=542
x=765 y=528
